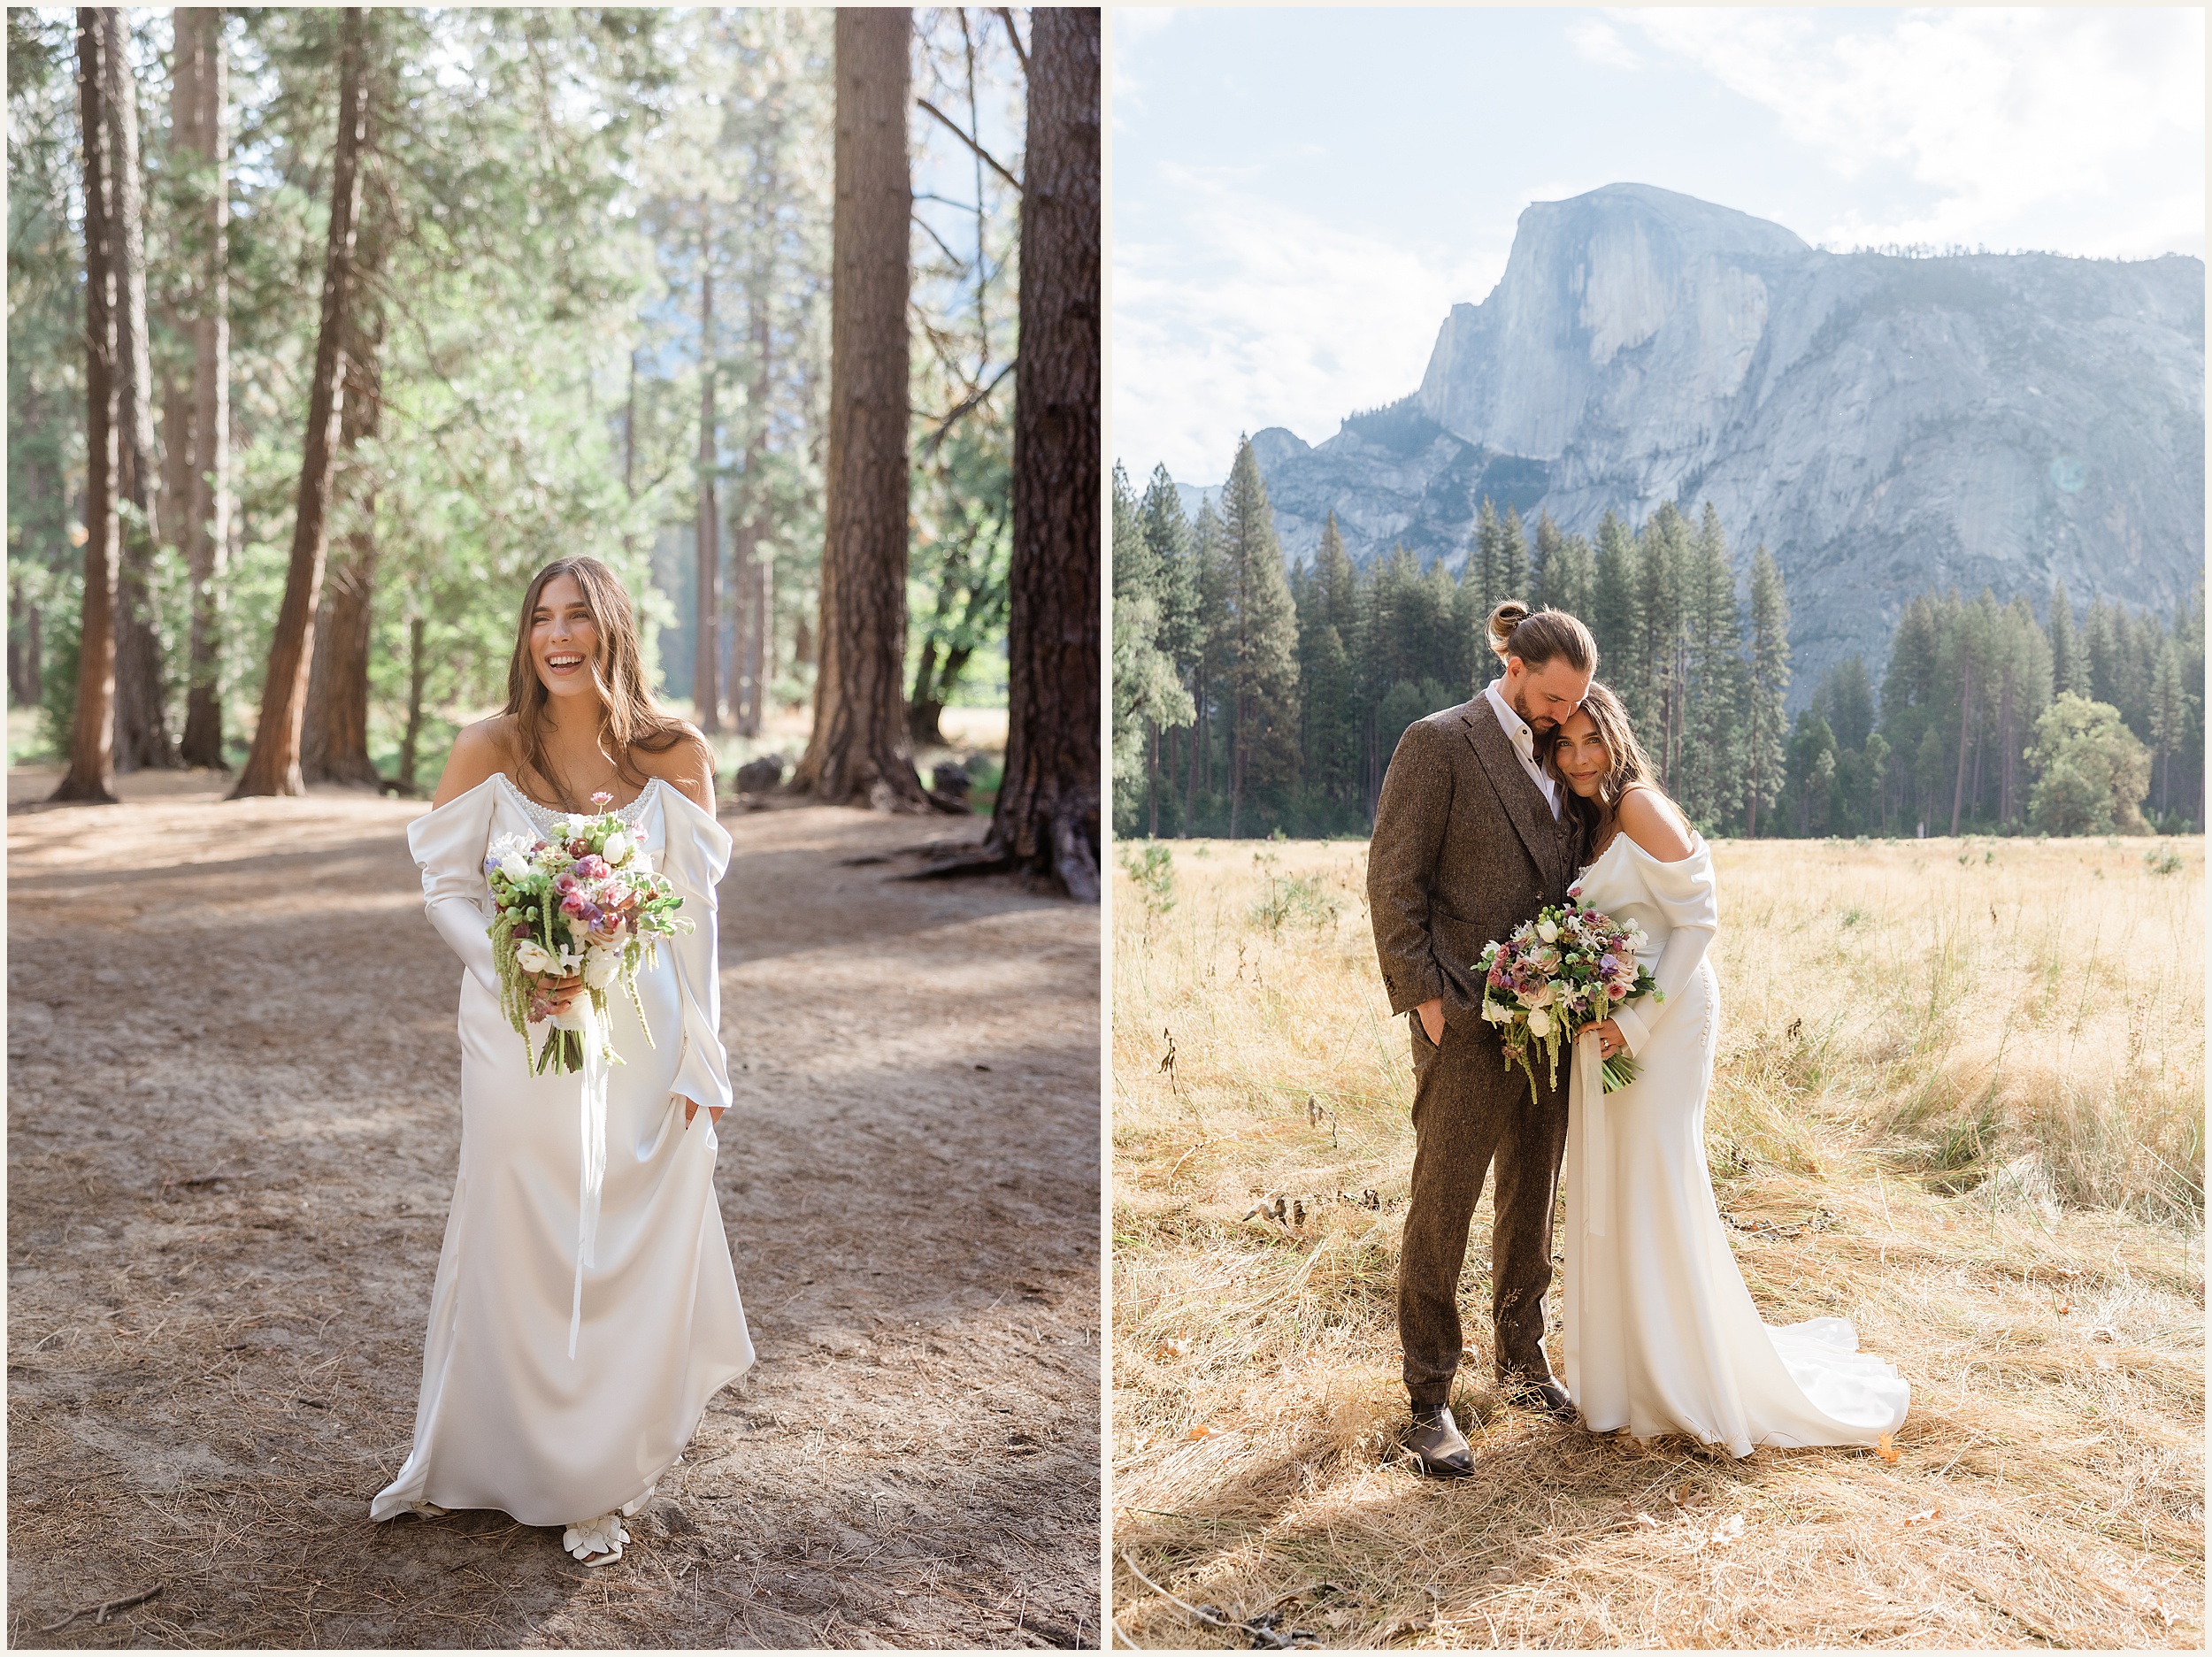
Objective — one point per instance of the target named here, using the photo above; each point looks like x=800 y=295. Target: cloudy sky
x=1299 y=195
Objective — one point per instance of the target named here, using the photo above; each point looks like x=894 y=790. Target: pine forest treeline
x=583 y=304
x=1249 y=699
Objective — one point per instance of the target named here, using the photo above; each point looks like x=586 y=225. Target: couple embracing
x=1489 y=812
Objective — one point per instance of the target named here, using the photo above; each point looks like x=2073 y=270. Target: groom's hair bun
x=1541 y=636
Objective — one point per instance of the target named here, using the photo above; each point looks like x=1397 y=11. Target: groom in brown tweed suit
x=1470 y=839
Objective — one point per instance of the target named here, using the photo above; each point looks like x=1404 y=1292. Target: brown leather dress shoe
x=1438 y=1444
x=1546 y=1397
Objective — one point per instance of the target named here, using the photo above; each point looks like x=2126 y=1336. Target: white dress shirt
x=1524 y=742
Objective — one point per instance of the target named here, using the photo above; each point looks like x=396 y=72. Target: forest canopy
x=590 y=303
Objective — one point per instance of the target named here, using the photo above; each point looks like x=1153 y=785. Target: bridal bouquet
x=1557 y=975
x=584 y=902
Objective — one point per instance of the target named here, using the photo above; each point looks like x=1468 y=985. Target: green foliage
x=1148 y=695
x=1297 y=901
x=45 y=339
x=1706 y=678
x=1765 y=719
x=546 y=189
x=1151 y=868
x=57 y=682
x=964 y=295
x=1256 y=638
x=2092 y=773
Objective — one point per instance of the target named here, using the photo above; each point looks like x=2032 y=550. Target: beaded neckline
x=542 y=817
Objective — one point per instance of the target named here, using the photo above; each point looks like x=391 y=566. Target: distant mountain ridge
x=1885 y=425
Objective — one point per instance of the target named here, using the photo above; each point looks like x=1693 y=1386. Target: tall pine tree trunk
x=142 y=725
x=857 y=749
x=417 y=676
x=749 y=607
x=334 y=730
x=1046 y=817
x=760 y=639
x=91 y=774
x=1966 y=709
x=207 y=536
x=272 y=767
x=1197 y=745
x=1152 y=778
x=707 y=533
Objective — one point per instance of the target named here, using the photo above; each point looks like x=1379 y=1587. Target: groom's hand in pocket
x=1431 y=1013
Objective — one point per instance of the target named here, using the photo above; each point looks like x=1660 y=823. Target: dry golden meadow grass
x=1960 y=1100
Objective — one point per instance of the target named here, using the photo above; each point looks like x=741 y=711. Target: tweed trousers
x=1470 y=1114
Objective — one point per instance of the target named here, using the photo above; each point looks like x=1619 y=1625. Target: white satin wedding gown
x=507 y=1418
x=1661 y=1336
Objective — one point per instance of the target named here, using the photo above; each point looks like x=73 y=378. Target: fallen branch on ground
x=100 y=1613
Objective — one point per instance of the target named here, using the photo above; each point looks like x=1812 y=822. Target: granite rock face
x=1885 y=425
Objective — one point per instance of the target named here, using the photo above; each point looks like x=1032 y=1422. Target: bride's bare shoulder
x=479 y=751
x=1654 y=822
x=686 y=764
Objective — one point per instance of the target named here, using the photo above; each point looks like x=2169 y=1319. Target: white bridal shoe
x=427 y=1510
x=596 y=1541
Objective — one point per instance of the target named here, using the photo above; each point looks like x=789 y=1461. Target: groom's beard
x=1541 y=725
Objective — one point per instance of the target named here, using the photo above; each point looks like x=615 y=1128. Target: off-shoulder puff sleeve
x=697 y=853
x=1686 y=894
x=448 y=846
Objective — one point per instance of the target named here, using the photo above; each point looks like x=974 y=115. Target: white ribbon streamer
x=1587 y=1099
x=583 y=1018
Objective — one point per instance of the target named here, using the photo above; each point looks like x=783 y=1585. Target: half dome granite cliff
x=1886 y=425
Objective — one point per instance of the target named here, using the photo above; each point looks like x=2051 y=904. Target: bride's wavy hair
x=1626 y=762
x=629 y=718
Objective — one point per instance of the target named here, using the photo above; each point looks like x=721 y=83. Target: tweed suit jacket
x=1465 y=848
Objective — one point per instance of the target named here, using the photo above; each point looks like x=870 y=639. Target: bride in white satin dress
x=1661 y=1336
x=568 y=1361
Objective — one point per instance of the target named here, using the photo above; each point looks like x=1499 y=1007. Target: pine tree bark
x=706 y=619
x=141 y=725
x=857 y=749
x=334 y=728
x=1047 y=818
x=417 y=676
x=272 y=766
x=202 y=66
x=91 y=774
x=749 y=621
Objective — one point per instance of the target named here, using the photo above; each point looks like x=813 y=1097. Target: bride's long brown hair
x=1626 y=764
x=629 y=718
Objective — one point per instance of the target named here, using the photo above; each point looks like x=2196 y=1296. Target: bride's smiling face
x=1579 y=753
x=564 y=639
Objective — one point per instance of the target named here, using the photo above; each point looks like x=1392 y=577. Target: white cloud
x=2000 y=117
x=1137 y=22
x=1133 y=28
x=1599 y=41
x=1244 y=314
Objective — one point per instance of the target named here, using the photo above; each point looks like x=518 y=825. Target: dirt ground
x=233 y=1127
